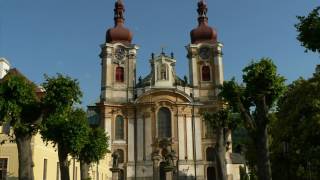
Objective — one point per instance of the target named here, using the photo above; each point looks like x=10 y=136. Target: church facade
x=155 y=123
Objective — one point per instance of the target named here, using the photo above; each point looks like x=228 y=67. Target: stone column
x=182 y=138
x=131 y=139
x=115 y=173
x=169 y=175
x=148 y=137
x=197 y=134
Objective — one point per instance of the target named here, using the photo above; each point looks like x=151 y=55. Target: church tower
x=118 y=79
x=205 y=58
x=118 y=61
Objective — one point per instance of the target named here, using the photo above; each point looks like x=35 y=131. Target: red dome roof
x=203 y=33
x=119 y=33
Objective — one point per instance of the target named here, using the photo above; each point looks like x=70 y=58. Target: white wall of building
x=4 y=67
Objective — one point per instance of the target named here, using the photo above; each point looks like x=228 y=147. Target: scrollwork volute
x=132 y=56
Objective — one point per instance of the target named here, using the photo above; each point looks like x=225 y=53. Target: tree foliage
x=62 y=92
x=68 y=129
x=64 y=125
x=19 y=105
x=97 y=146
x=21 y=109
x=296 y=147
x=94 y=150
x=223 y=118
x=262 y=86
x=309 y=30
x=254 y=100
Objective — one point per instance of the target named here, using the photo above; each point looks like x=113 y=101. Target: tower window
x=205 y=73
x=119 y=74
x=119 y=128
x=164 y=123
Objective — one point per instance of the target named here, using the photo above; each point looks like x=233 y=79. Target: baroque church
x=155 y=123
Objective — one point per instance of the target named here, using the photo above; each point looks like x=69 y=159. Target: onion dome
x=203 y=33
x=118 y=33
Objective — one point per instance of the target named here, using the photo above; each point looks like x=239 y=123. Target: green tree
x=64 y=125
x=94 y=150
x=295 y=133
x=20 y=107
x=309 y=30
x=222 y=122
x=254 y=100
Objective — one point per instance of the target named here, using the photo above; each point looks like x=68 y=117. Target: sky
x=63 y=36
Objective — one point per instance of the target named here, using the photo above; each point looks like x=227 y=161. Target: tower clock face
x=120 y=53
x=204 y=53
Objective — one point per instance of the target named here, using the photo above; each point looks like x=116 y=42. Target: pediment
x=157 y=96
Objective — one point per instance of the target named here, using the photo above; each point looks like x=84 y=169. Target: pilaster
x=218 y=66
x=189 y=138
x=198 y=139
x=131 y=142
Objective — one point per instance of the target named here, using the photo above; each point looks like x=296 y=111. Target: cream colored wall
x=41 y=152
x=102 y=168
x=10 y=151
x=233 y=170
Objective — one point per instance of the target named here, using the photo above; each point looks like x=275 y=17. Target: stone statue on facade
x=115 y=158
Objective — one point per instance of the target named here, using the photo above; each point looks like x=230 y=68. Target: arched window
x=119 y=127
x=210 y=154
x=164 y=123
x=205 y=73
x=119 y=74
x=121 y=155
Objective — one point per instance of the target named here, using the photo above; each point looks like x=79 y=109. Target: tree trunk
x=84 y=170
x=25 y=157
x=263 y=157
x=261 y=140
x=64 y=164
x=221 y=155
